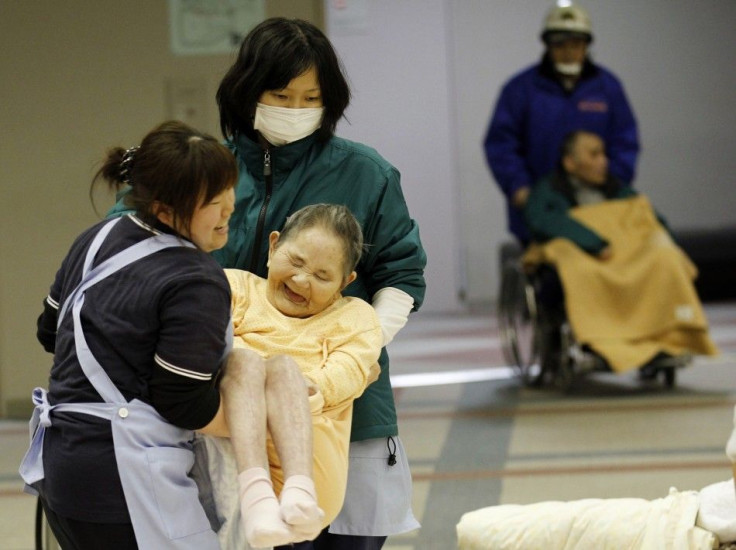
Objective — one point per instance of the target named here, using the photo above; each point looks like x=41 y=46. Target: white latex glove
x=392 y=308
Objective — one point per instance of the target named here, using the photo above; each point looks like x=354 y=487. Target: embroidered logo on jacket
x=590 y=106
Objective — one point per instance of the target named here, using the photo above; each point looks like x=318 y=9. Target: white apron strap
x=31 y=468
x=91 y=276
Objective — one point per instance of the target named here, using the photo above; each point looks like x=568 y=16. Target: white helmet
x=564 y=21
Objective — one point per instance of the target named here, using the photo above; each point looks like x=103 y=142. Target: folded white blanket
x=718 y=510
x=616 y=524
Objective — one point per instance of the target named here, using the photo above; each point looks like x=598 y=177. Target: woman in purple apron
x=138 y=321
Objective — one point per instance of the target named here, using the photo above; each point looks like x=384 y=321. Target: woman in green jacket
x=279 y=105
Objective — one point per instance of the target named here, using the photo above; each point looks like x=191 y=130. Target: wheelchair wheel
x=518 y=320
x=665 y=367
x=670 y=377
x=564 y=373
x=676 y=363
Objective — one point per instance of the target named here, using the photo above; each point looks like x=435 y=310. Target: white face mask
x=281 y=125
x=569 y=69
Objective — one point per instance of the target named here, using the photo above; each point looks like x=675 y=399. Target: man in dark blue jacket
x=538 y=107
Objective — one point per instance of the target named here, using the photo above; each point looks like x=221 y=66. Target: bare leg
x=243 y=389
x=289 y=419
x=290 y=426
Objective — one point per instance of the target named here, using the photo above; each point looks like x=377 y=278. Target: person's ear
x=273 y=240
x=164 y=213
x=568 y=163
x=349 y=279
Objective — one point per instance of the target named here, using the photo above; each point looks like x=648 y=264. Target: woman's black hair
x=272 y=54
x=175 y=166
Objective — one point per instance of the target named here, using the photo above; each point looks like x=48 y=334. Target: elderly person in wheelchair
x=602 y=286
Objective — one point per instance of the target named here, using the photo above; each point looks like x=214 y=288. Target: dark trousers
x=83 y=535
x=328 y=541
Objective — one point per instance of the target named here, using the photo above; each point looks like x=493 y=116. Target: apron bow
x=31 y=469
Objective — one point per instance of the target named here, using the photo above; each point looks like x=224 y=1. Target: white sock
x=259 y=508
x=299 y=506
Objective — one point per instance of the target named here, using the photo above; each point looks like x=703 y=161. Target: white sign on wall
x=211 y=27
x=347 y=17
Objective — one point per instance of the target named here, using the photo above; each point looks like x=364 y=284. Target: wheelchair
x=537 y=339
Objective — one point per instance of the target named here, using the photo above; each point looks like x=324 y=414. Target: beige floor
x=476 y=437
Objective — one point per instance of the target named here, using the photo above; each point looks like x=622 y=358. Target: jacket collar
x=283 y=159
x=154 y=226
x=546 y=69
x=561 y=183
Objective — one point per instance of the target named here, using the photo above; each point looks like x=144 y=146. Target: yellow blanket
x=640 y=301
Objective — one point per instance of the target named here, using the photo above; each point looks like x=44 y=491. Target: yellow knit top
x=337 y=349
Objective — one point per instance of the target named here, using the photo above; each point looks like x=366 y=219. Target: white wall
x=397 y=64
x=426 y=75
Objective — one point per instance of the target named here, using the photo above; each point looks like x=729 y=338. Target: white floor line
x=467 y=376
x=449 y=344
x=452 y=377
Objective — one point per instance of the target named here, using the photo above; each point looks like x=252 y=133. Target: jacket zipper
x=262 y=214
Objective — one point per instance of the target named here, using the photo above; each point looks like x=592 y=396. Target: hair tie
x=127 y=164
